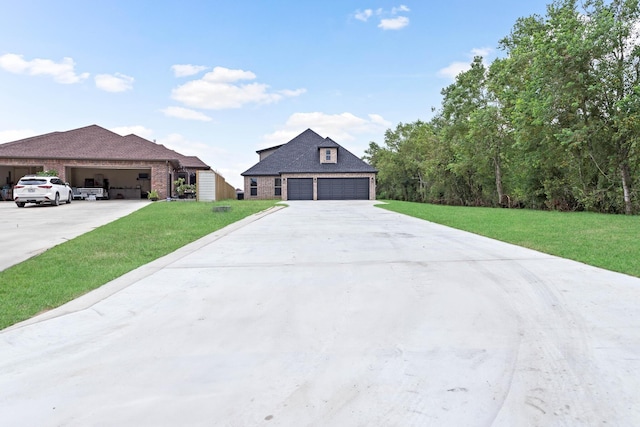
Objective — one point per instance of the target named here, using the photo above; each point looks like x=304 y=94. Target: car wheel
x=69 y=198
x=20 y=204
x=56 y=200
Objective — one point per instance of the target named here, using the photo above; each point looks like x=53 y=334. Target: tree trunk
x=423 y=188
x=496 y=162
x=626 y=187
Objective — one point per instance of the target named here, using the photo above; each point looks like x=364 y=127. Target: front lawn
x=607 y=241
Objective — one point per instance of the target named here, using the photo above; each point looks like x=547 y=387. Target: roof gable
x=300 y=155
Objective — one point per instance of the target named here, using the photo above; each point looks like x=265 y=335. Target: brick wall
x=266 y=187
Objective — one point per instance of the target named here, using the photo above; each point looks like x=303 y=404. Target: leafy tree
x=51 y=172
x=478 y=132
x=553 y=124
x=614 y=33
x=407 y=163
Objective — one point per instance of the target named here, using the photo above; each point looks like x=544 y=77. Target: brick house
x=309 y=167
x=128 y=166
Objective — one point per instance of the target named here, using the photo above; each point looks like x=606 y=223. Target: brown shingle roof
x=185 y=161
x=94 y=143
x=193 y=162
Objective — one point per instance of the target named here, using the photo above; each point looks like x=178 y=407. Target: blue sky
x=222 y=79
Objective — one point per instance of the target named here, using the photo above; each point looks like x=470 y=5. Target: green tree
x=553 y=124
x=406 y=163
x=477 y=131
x=614 y=34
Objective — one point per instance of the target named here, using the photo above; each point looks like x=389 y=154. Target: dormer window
x=328 y=155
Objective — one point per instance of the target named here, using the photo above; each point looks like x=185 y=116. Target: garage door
x=343 y=188
x=300 y=189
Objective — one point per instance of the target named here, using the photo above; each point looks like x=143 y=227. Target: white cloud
x=185 y=113
x=187 y=147
x=219 y=89
x=138 y=130
x=389 y=19
x=339 y=127
x=452 y=70
x=291 y=93
x=481 y=51
x=401 y=8
x=184 y=70
x=394 y=23
x=15 y=134
x=227 y=75
x=363 y=15
x=378 y=119
x=114 y=82
x=62 y=72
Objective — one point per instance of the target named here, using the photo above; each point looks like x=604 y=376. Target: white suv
x=41 y=189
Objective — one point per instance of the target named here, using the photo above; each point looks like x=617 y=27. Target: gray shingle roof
x=300 y=155
x=94 y=143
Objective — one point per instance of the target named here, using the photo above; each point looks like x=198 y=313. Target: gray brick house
x=310 y=167
x=92 y=156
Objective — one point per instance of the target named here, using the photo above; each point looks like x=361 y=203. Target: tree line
x=552 y=124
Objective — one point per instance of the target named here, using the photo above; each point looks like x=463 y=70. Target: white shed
x=206 y=186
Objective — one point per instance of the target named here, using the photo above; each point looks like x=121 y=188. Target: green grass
x=607 y=241
x=73 y=268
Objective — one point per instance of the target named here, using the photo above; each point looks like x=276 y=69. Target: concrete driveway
x=28 y=231
x=341 y=314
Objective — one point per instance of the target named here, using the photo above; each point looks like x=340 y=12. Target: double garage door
x=328 y=188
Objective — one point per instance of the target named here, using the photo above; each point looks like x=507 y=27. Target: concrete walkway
x=341 y=314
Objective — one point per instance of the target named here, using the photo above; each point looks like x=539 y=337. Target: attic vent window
x=328 y=155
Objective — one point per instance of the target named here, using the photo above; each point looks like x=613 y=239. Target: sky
x=222 y=79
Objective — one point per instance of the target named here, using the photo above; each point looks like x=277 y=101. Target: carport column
x=169 y=178
x=159 y=173
x=56 y=166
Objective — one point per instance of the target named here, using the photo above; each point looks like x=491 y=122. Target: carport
x=121 y=183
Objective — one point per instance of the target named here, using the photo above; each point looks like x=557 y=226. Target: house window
x=278 y=187
x=254 y=186
x=328 y=155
